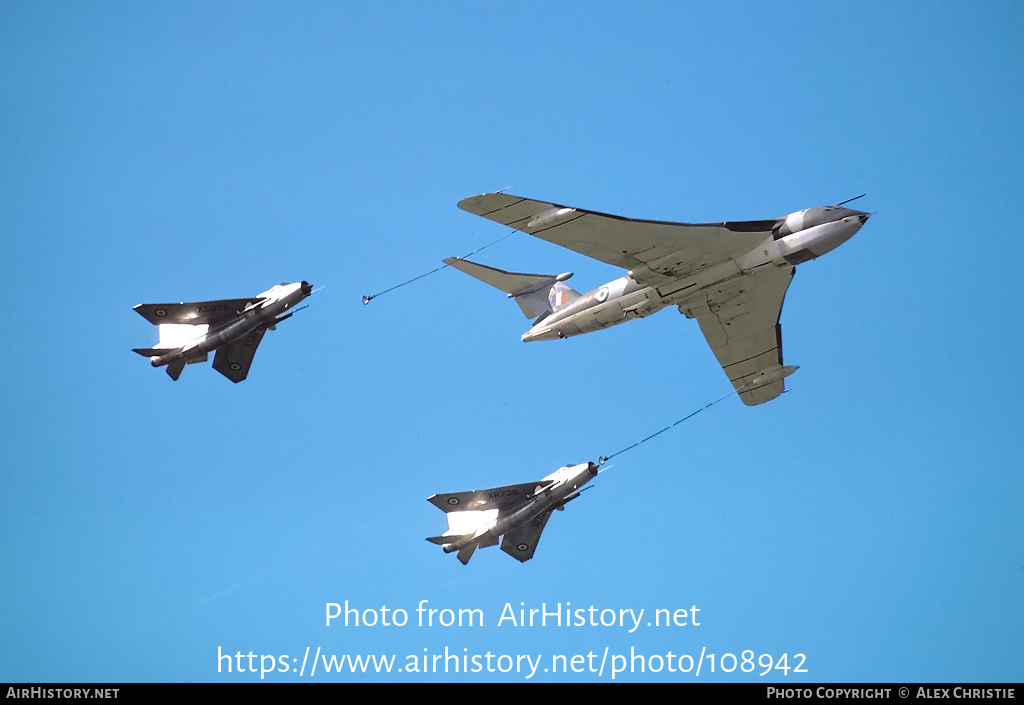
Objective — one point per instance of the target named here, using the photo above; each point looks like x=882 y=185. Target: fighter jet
x=732 y=276
x=517 y=512
x=232 y=327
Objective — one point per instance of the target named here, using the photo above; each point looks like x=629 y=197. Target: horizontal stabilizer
x=152 y=352
x=442 y=540
x=157 y=352
x=529 y=290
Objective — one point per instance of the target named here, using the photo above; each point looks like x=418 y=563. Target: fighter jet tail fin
x=466 y=553
x=174 y=369
x=536 y=294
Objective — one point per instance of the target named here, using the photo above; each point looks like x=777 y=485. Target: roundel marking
x=453 y=501
x=235 y=366
x=160 y=312
x=602 y=293
x=523 y=546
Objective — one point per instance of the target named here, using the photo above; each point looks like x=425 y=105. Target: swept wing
x=195 y=313
x=740 y=321
x=655 y=252
x=521 y=542
x=500 y=498
x=233 y=361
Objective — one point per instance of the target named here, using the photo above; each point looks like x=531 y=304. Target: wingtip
x=466 y=204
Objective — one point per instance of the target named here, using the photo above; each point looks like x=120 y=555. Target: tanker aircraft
x=232 y=327
x=478 y=518
x=731 y=276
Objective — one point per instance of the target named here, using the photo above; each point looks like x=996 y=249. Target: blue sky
x=869 y=519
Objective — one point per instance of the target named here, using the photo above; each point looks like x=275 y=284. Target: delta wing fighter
x=231 y=327
x=519 y=513
x=732 y=276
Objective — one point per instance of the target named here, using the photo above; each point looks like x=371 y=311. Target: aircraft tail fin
x=174 y=369
x=466 y=553
x=561 y=294
x=446 y=541
x=536 y=294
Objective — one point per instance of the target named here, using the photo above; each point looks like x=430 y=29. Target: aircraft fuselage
x=265 y=314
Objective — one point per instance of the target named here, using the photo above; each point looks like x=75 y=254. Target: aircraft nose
x=858 y=219
x=846 y=213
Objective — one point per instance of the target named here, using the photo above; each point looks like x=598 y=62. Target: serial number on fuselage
x=501 y=493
